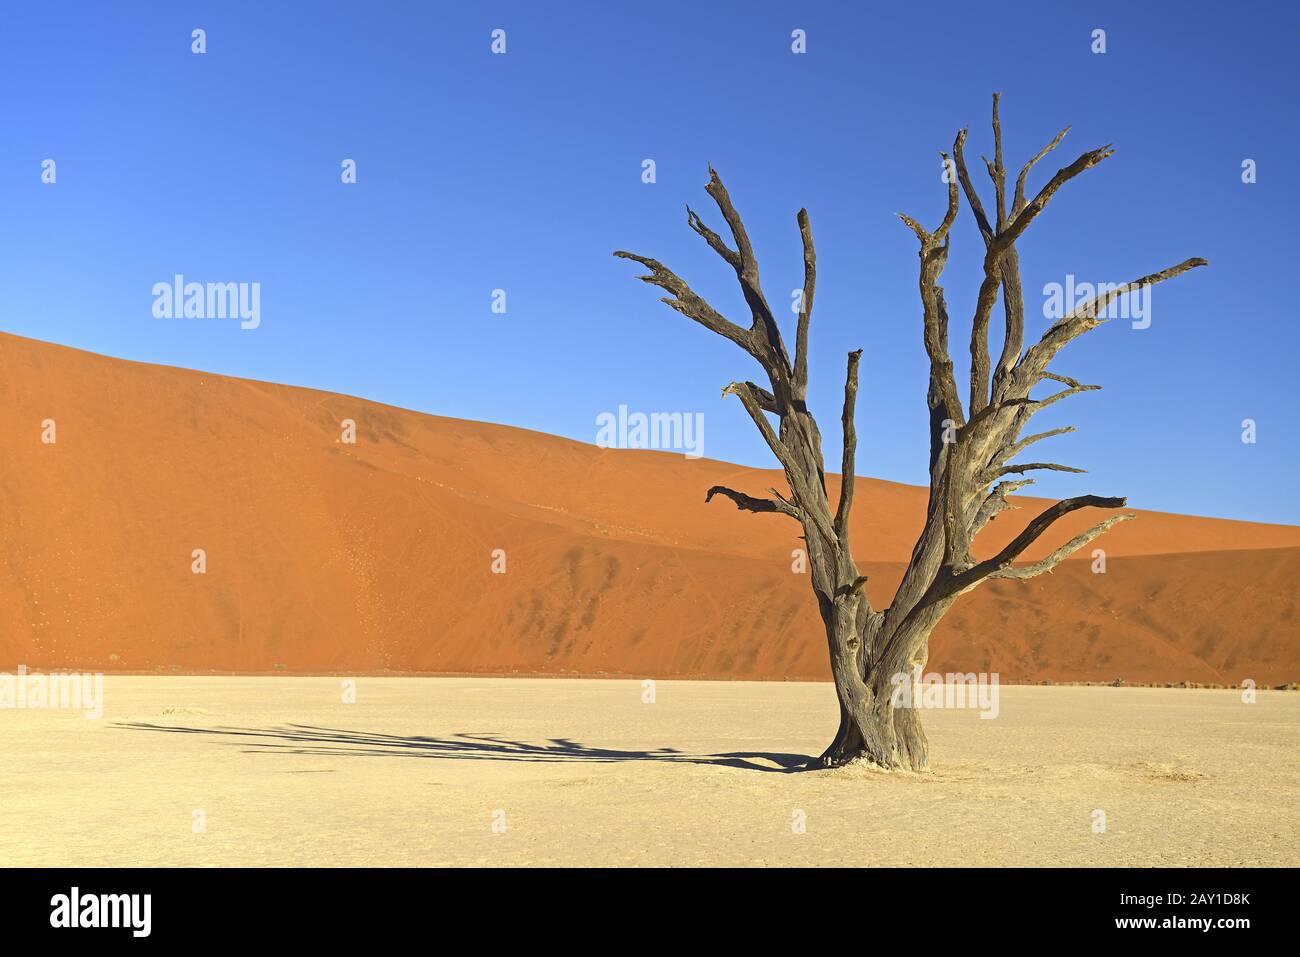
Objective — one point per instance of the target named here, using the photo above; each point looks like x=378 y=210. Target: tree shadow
x=306 y=739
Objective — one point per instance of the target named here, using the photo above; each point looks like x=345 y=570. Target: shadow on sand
x=305 y=739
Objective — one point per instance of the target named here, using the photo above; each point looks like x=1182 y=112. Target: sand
x=582 y=772
x=324 y=556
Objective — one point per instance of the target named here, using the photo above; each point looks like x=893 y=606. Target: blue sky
x=522 y=172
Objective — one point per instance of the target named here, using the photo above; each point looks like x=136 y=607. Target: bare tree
x=872 y=651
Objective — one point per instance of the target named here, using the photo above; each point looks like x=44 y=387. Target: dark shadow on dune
x=305 y=739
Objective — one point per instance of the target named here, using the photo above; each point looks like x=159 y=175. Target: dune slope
x=323 y=556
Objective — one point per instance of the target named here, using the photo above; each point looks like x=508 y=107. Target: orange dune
x=377 y=556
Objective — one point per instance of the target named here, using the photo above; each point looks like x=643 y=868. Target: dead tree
x=971 y=447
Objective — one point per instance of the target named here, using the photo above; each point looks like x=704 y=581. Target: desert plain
x=197 y=771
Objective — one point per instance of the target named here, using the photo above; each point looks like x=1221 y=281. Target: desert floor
x=280 y=771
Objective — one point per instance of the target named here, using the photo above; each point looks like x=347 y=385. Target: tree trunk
x=882 y=735
x=871 y=728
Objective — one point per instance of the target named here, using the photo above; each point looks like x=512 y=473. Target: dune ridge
x=326 y=557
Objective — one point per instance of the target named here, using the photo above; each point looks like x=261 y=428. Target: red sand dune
x=328 y=557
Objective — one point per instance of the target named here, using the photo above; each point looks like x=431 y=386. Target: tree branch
x=934 y=255
x=1013 y=300
x=1018 y=203
x=988 y=292
x=1021 y=572
x=1033 y=467
x=963 y=581
x=752 y=398
x=746 y=266
x=1091 y=309
x=716 y=242
x=1075 y=387
x=1035 y=206
x=998 y=172
x=805 y=306
x=748 y=503
x=994 y=504
x=744 y=259
x=1085 y=317
x=685 y=301
x=1002 y=262
x=1030 y=407
x=972 y=197
x=997 y=246
x=1013 y=450
x=848 y=469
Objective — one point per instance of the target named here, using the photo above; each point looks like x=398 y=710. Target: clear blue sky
x=523 y=172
